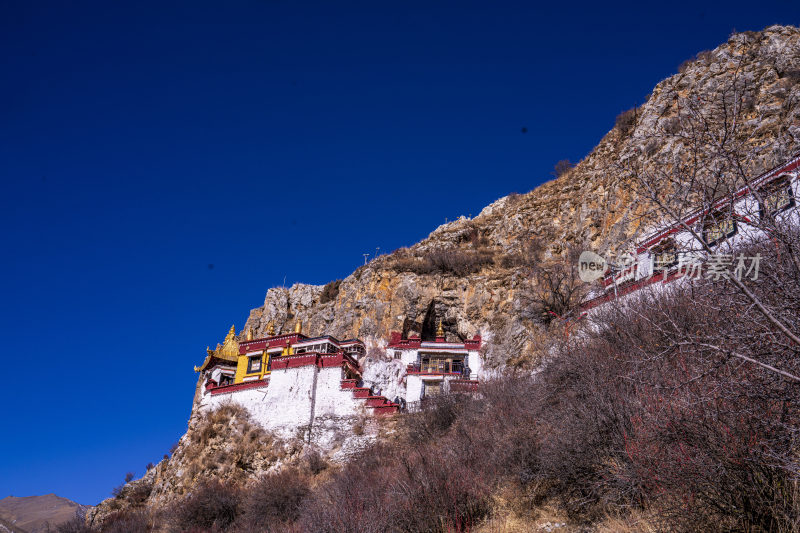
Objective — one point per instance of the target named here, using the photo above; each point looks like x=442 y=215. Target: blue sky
x=164 y=163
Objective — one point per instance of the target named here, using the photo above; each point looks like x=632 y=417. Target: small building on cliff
x=290 y=383
x=433 y=367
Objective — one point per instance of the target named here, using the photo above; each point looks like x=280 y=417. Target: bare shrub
x=458 y=262
x=211 y=506
x=356 y=499
x=436 y=415
x=626 y=121
x=555 y=290
x=453 y=261
x=75 y=525
x=562 y=167
x=330 y=291
x=315 y=462
x=127 y=521
x=274 y=501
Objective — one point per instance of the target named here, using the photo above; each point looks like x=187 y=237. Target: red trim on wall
x=766 y=177
x=239 y=387
x=414 y=343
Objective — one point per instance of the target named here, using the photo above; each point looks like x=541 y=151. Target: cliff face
x=473 y=274
x=596 y=205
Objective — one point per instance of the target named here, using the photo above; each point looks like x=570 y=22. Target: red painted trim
x=761 y=180
x=321 y=360
x=376 y=401
x=349 y=383
x=239 y=387
x=279 y=341
x=386 y=410
x=629 y=288
x=416 y=344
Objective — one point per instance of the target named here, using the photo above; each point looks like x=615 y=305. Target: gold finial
x=249 y=334
x=297 y=326
x=440 y=330
x=271 y=328
x=231 y=334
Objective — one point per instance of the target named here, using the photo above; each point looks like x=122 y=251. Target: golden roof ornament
x=271 y=328
x=227 y=351
x=249 y=334
x=297 y=326
x=440 y=330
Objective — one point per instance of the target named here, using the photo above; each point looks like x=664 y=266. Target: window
x=225 y=379
x=777 y=196
x=664 y=254
x=432 y=388
x=441 y=365
x=397 y=354
x=719 y=227
x=254 y=364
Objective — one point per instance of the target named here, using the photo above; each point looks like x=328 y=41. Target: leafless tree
x=698 y=185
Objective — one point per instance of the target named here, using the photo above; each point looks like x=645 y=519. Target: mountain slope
x=595 y=205
x=32 y=514
x=473 y=274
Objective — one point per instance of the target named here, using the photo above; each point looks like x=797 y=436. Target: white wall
x=286 y=405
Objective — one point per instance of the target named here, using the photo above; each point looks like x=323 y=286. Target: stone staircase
x=380 y=405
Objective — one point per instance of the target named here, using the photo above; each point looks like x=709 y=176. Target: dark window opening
x=254 y=364
x=776 y=197
x=719 y=227
x=665 y=255
x=441 y=365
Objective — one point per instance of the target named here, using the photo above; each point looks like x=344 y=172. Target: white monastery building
x=292 y=382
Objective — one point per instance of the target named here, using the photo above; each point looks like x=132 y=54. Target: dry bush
x=354 y=500
x=315 y=462
x=626 y=121
x=212 y=506
x=274 y=502
x=226 y=443
x=686 y=428
x=330 y=291
x=453 y=261
x=127 y=521
x=562 y=167
x=555 y=290
x=75 y=525
x=436 y=415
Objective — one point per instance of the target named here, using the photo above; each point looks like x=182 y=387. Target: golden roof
x=227 y=351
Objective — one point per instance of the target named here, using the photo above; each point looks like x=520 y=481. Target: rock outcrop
x=474 y=274
x=594 y=205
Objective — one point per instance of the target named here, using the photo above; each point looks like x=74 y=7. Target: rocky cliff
x=472 y=273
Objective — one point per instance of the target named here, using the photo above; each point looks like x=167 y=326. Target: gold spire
x=271 y=328
x=231 y=334
x=440 y=330
x=249 y=334
x=297 y=326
